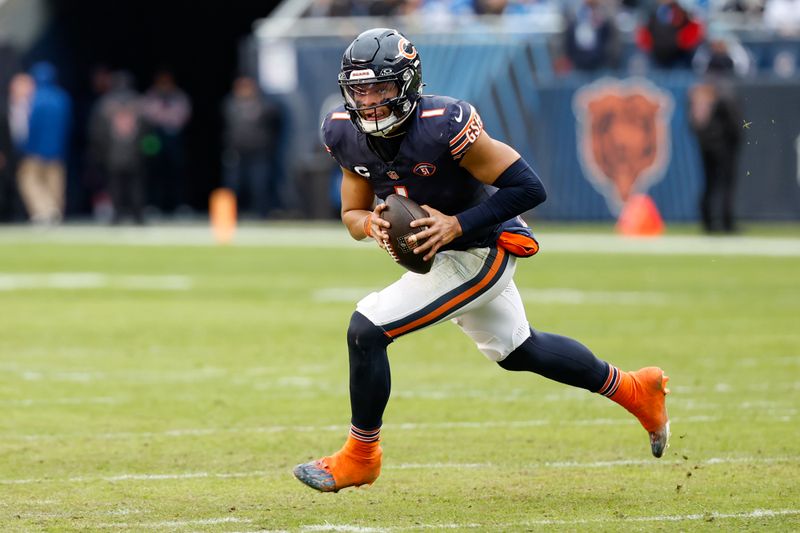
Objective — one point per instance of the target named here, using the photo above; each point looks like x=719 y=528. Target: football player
x=390 y=138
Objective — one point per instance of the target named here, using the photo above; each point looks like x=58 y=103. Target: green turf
x=151 y=409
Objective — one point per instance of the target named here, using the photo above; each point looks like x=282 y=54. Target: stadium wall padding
x=522 y=103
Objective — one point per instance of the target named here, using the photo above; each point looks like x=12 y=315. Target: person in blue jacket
x=41 y=177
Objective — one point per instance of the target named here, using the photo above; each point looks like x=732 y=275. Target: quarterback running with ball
x=391 y=139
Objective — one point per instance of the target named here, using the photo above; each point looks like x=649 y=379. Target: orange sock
x=358 y=462
x=614 y=382
x=622 y=387
x=640 y=392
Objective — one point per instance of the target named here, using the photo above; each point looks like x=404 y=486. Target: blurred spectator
x=41 y=175
x=490 y=7
x=14 y=117
x=95 y=173
x=354 y=8
x=6 y=168
x=119 y=129
x=715 y=117
x=329 y=8
x=167 y=110
x=722 y=55
x=437 y=13
x=383 y=8
x=783 y=17
x=252 y=125
x=719 y=60
x=527 y=7
x=9 y=66
x=784 y=64
x=20 y=99
x=670 y=35
x=591 y=40
x=755 y=7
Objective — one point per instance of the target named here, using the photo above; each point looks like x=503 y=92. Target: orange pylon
x=222 y=210
x=640 y=217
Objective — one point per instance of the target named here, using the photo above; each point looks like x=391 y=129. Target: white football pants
x=473 y=288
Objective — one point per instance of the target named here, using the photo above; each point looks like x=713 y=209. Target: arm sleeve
x=519 y=190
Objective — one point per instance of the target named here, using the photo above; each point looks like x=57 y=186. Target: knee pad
x=364 y=335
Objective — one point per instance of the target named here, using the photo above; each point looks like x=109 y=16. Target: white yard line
x=579 y=297
x=32 y=402
x=83 y=512
x=598 y=464
x=708 y=516
x=412 y=466
x=139 y=377
x=409 y=426
x=550 y=295
x=333 y=235
x=92 y=280
x=138 y=477
x=167 y=524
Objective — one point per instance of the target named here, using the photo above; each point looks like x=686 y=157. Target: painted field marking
x=46 y=515
x=548 y=295
x=408 y=426
x=714 y=515
x=138 y=477
x=600 y=464
x=130 y=376
x=410 y=466
x=92 y=280
x=31 y=402
x=168 y=524
x=579 y=297
x=335 y=236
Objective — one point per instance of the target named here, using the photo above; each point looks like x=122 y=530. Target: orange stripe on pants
x=442 y=309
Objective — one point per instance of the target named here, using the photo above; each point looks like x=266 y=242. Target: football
x=399 y=212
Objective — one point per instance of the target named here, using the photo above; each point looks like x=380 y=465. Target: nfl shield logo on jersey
x=392 y=174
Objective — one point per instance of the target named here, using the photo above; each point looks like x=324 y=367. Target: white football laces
x=388 y=247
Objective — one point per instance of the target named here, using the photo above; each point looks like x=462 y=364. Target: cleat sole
x=317 y=478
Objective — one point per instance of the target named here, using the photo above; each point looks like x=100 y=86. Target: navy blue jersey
x=426 y=168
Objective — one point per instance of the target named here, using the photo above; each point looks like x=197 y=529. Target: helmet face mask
x=380 y=80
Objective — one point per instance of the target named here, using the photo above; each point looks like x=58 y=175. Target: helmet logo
x=406 y=49
x=424 y=169
x=362 y=74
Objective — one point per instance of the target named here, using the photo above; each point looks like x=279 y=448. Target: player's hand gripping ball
x=400 y=212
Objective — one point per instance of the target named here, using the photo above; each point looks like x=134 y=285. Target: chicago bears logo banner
x=623 y=134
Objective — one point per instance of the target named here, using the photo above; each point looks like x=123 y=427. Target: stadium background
x=506 y=70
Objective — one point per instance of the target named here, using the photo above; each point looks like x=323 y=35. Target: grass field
x=170 y=385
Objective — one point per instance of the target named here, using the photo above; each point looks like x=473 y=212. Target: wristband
x=368 y=225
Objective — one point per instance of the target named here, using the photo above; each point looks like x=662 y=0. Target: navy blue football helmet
x=381 y=58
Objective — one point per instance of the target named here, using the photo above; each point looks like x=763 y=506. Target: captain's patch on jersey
x=472 y=129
